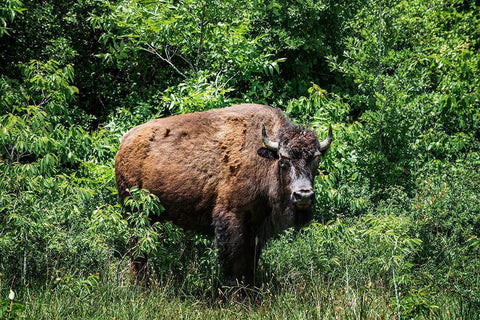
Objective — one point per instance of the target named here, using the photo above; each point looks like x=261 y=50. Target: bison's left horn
x=272 y=145
x=325 y=144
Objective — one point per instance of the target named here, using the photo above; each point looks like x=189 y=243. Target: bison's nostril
x=304 y=195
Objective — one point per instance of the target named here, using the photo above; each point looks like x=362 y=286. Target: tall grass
x=342 y=270
x=313 y=299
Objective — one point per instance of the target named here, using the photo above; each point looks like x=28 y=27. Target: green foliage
x=304 y=32
x=10 y=308
x=195 y=94
x=446 y=211
x=8 y=10
x=144 y=206
x=198 y=42
x=79 y=288
x=51 y=175
x=331 y=250
x=415 y=95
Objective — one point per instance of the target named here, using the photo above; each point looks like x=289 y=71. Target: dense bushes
x=397 y=219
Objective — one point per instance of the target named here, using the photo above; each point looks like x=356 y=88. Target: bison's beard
x=302 y=217
x=280 y=220
x=293 y=217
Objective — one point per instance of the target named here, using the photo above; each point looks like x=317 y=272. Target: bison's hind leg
x=139 y=268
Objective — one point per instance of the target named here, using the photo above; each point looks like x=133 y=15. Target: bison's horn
x=269 y=144
x=325 y=144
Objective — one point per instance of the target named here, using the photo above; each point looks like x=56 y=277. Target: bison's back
x=190 y=161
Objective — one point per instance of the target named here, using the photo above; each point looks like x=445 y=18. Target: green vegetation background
x=397 y=223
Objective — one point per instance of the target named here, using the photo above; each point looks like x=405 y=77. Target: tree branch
x=152 y=50
x=202 y=33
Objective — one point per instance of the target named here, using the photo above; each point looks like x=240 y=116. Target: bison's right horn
x=272 y=145
x=325 y=144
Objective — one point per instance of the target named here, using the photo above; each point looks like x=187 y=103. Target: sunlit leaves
x=47 y=158
x=188 y=36
x=8 y=10
x=196 y=94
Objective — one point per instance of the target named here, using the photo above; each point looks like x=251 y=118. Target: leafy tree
x=8 y=10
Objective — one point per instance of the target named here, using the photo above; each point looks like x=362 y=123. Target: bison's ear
x=267 y=153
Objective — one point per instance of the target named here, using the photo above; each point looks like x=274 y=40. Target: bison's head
x=298 y=152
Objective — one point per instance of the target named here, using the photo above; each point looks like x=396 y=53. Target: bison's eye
x=284 y=163
x=316 y=161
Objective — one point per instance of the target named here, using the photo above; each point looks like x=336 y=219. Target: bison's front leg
x=236 y=249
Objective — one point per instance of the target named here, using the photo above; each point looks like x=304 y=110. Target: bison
x=219 y=173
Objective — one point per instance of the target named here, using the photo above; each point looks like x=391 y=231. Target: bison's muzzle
x=303 y=199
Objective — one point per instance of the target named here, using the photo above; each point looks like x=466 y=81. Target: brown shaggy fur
x=207 y=170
